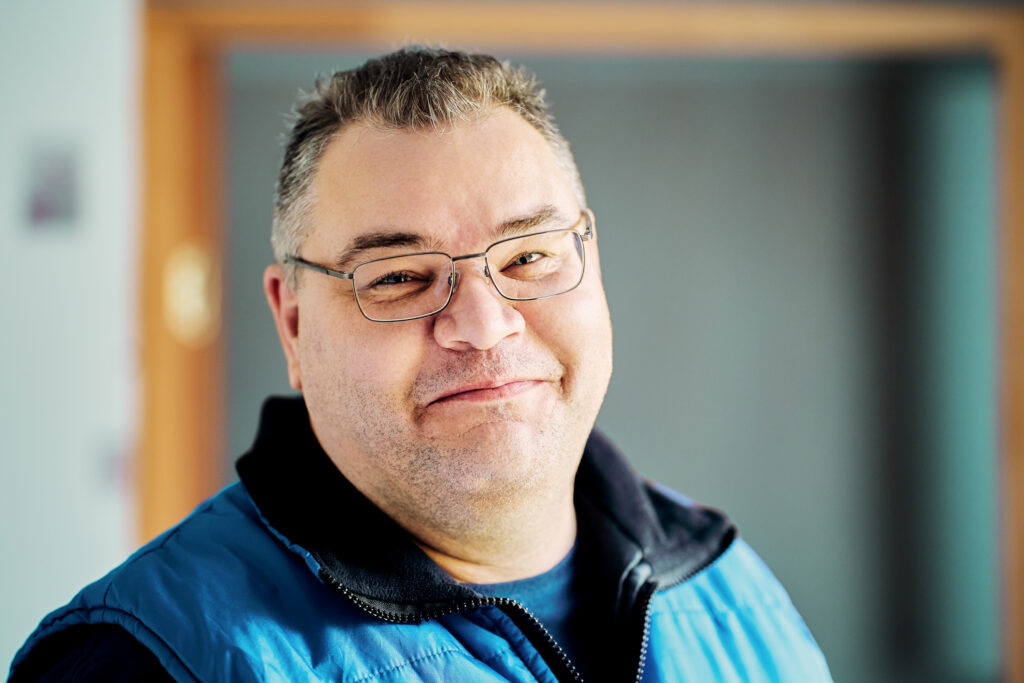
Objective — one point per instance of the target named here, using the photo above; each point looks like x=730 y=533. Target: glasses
x=521 y=268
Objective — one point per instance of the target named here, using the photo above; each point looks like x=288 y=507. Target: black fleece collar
x=625 y=521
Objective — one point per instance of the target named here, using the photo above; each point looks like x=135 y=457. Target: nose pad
x=453 y=279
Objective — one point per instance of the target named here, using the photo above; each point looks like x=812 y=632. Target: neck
x=482 y=529
x=509 y=552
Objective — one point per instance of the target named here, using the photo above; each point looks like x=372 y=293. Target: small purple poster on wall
x=52 y=201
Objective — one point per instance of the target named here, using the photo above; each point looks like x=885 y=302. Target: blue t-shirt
x=557 y=600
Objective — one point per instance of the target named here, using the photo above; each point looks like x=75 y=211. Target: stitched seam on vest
x=744 y=608
x=772 y=602
x=723 y=616
x=500 y=654
x=171 y=533
x=666 y=603
x=298 y=550
x=505 y=653
x=519 y=646
x=434 y=654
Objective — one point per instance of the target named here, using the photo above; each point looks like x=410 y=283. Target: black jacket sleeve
x=90 y=652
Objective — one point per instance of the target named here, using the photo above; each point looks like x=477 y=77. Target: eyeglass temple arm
x=317 y=267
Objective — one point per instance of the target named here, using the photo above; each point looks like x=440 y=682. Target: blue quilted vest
x=254 y=586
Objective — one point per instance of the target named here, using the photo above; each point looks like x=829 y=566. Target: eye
x=526 y=259
x=394 y=279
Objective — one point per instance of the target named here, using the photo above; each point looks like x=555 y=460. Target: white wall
x=68 y=361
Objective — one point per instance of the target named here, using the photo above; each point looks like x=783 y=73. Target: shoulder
x=740 y=618
x=738 y=579
x=220 y=557
x=209 y=590
x=729 y=618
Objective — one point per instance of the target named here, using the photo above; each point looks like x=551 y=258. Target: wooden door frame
x=181 y=440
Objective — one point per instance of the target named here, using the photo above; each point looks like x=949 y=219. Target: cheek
x=325 y=358
x=577 y=328
x=357 y=360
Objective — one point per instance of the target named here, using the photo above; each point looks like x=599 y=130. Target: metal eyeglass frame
x=585 y=217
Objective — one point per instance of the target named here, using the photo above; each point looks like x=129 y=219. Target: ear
x=285 y=307
x=593 y=252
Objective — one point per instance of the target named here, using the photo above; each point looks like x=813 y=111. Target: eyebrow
x=522 y=224
x=382 y=239
x=377 y=240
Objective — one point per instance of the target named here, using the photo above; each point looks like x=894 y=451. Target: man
x=436 y=506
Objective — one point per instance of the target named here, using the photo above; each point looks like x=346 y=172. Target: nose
x=477 y=317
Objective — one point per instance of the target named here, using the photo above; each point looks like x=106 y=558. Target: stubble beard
x=471 y=485
x=483 y=487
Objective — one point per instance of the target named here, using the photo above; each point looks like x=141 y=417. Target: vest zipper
x=561 y=659
x=645 y=599
x=647 y=596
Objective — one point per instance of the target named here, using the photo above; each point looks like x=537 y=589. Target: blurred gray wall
x=800 y=262
x=68 y=366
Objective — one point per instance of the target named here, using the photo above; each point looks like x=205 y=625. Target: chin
x=506 y=458
x=493 y=441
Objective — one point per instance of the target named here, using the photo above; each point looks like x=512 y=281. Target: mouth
x=487 y=391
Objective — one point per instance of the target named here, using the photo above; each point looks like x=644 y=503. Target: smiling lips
x=487 y=391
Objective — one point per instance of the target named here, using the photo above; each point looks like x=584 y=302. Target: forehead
x=451 y=185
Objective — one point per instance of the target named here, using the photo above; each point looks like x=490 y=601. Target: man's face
x=488 y=400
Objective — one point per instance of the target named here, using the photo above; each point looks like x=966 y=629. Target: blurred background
x=800 y=253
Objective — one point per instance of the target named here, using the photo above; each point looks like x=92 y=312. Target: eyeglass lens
x=527 y=267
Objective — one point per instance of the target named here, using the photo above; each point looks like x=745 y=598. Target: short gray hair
x=413 y=88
